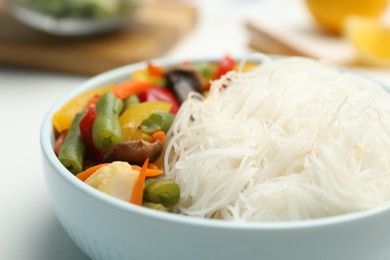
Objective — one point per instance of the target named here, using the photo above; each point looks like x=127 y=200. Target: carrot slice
x=149 y=172
x=159 y=135
x=138 y=191
x=84 y=175
x=155 y=70
x=152 y=166
x=130 y=87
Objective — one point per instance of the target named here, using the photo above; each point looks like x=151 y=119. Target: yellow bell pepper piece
x=62 y=119
x=144 y=75
x=133 y=116
x=247 y=66
x=131 y=132
x=138 y=113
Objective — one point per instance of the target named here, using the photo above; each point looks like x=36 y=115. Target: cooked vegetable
x=86 y=126
x=93 y=101
x=145 y=75
x=206 y=69
x=155 y=206
x=159 y=135
x=182 y=81
x=63 y=118
x=155 y=70
x=150 y=171
x=161 y=191
x=84 y=175
x=225 y=65
x=106 y=128
x=138 y=113
x=59 y=142
x=157 y=122
x=132 y=132
x=72 y=151
x=137 y=193
x=160 y=94
x=130 y=87
x=131 y=101
x=121 y=127
x=117 y=179
x=134 y=152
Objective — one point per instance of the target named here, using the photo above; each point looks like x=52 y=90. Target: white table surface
x=29 y=229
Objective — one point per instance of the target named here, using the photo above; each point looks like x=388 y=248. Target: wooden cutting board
x=295 y=33
x=153 y=30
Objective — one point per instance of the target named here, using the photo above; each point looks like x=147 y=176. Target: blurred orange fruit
x=371 y=39
x=331 y=14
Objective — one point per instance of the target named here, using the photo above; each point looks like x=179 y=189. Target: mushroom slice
x=182 y=81
x=134 y=152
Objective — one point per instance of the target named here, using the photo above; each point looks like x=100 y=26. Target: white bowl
x=107 y=228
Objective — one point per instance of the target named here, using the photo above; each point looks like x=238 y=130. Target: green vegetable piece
x=155 y=206
x=156 y=122
x=160 y=191
x=132 y=100
x=205 y=68
x=73 y=149
x=106 y=130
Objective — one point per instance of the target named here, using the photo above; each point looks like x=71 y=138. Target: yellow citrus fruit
x=371 y=39
x=331 y=14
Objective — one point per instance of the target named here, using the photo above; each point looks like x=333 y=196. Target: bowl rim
x=121 y=73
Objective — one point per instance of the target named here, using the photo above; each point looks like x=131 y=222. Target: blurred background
x=48 y=47
x=87 y=37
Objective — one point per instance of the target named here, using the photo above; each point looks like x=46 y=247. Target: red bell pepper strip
x=160 y=94
x=224 y=66
x=86 y=125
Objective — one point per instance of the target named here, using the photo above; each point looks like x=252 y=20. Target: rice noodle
x=291 y=139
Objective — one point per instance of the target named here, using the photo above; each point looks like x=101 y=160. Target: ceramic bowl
x=73 y=18
x=106 y=228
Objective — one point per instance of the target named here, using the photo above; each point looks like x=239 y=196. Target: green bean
x=132 y=100
x=106 y=130
x=160 y=191
x=156 y=206
x=72 y=151
x=156 y=122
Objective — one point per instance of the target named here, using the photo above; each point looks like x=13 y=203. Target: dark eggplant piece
x=183 y=80
x=134 y=152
